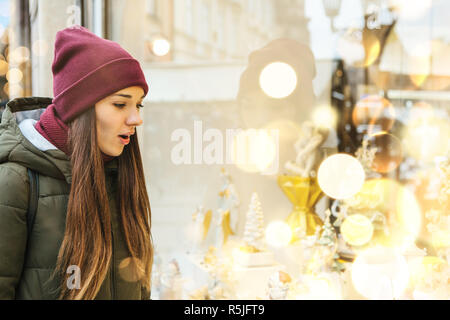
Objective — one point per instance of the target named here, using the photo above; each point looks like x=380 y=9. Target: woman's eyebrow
x=126 y=96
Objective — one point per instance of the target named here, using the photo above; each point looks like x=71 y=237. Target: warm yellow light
x=389 y=152
x=14 y=76
x=278 y=80
x=398 y=204
x=19 y=55
x=319 y=287
x=3 y=67
x=324 y=116
x=427 y=137
x=15 y=90
x=341 y=176
x=255 y=150
x=380 y=273
x=423 y=267
x=374 y=113
x=373 y=51
x=278 y=234
x=161 y=47
x=6 y=88
x=357 y=230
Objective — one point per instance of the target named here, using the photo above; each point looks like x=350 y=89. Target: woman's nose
x=135 y=119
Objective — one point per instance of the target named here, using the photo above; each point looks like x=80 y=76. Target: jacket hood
x=14 y=147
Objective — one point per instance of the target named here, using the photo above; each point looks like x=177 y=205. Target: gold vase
x=304 y=194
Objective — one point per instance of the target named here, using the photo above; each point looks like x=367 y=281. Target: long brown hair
x=87 y=239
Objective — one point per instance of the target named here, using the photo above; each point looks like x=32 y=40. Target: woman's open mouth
x=124 y=139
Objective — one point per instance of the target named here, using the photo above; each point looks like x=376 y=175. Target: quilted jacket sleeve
x=14 y=189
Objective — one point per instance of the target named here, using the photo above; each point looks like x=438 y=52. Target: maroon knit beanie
x=86 y=69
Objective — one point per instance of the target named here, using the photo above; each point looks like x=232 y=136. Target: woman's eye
x=140 y=105
x=119 y=105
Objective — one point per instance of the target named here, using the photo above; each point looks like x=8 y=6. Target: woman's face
x=117 y=118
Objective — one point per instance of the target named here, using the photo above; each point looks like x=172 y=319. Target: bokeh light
x=403 y=217
x=380 y=273
x=374 y=114
x=131 y=269
x=357 y=230
x=426 y=136
x=389 y=152
x=254 y=150
x=324 y=116
x=3 y=67
x=19 y=55
x=278 y=234
x=320 y=287
x=161 y=47
x=14 y=76
x=341 y=176
x=278 y=80
x=422 y=268
x=15 y=90
x=440 y=239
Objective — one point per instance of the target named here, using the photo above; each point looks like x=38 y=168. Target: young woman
x=90 y=238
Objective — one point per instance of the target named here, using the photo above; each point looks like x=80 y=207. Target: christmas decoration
x=278 y=286
x=223 y=229
x=431 y=279
x=308 y=152
x=202 y=221
x=357 y=230
x=229 y=200
x=325 y=257
x=254 y=226
x=366 y=155
x=304 y=194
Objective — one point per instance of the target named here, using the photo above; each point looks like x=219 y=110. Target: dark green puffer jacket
x=24 y=274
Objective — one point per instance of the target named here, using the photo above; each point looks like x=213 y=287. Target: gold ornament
x=224 y=194
x=303 y=193
x=226 y=229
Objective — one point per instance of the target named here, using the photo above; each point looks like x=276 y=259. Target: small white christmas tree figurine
x=254 y=225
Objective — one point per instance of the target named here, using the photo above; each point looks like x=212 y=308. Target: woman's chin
x=113 y=153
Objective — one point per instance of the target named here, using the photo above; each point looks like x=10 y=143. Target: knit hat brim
x=97 y=85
